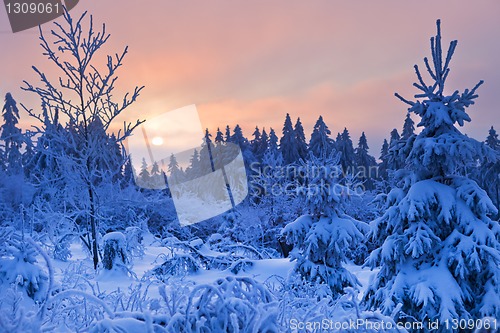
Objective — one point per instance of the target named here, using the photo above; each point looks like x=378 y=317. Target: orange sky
x=251 y=62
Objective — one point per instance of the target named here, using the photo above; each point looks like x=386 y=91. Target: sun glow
x=157 y=141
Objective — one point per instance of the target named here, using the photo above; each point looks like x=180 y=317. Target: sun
x=157 y=141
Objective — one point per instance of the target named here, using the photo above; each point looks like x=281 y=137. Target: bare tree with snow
x=83 y=97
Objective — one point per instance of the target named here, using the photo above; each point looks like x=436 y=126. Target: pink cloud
x=252 y=62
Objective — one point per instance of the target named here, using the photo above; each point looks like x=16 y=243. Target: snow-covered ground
x=110 y=281
x=238 y=291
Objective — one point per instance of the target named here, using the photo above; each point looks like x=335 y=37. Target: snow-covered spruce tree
x=218 y=151
x=406 y=141
x=400 y=147
x=83 y=95
x=384 y=160
x=11 y=136
x=239 y=139
x=408 y=127
x=144 y=175
x=19 y=268
x=365 y=163
x=440 y=252
x=156 y=175
x=394 y=137
x=345 y=147
x=273 y=142
x=300 y=138
x=491 y=175
x=492 y=140
x=193 y=170
x=227 y=135
x=288 y=142
x=321 y=143
x=174 y=173
x=207 y=154
x=394 y=162
x=128 y=179
x=219 y=137
x=256 y=143
x=14 y=192
x=263 y=144
x=488 y=174
x=320 y=239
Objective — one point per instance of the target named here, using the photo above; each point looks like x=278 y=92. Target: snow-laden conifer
x=440 y=251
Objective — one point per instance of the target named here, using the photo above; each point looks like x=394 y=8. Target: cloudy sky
x=251 y=62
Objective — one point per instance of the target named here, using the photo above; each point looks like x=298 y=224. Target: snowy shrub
x=440 y=251
x=134 y=298
x=229 y=305
x=18 y=266
x=179 y=247
x=302 y=302
x=121 y=325
x=78 y=275
x=61 y=247
x=214 y=239
x=241 y=265
x=242 y=251
x=220 y=255
x=179 y=265
x=174 y=297
x=17 y=315
x=25 y=286
x=135 y=247
x=52 y=223
x=75 y=311
x=115 y=250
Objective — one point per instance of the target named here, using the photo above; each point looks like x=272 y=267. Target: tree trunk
x=93 y=228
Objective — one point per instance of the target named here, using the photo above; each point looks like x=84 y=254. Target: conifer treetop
x=492 y=140
x=440 y=149
x=437 y=109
